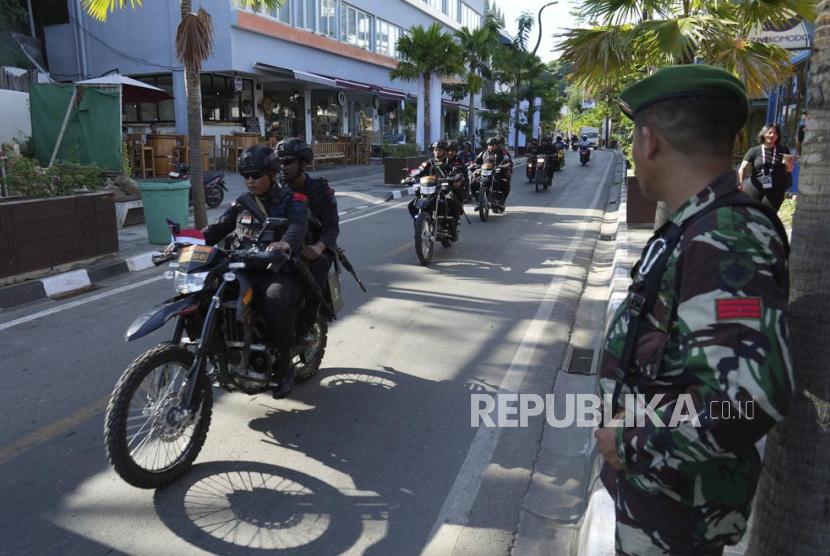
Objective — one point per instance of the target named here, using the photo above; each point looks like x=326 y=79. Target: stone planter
x=640 y=210
x=393 y=167
x=37 y=235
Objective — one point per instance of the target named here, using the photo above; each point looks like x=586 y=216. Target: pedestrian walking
x=701 y=337
x=770 y=162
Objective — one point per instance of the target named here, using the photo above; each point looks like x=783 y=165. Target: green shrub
x=24 y=177
x=402 y=151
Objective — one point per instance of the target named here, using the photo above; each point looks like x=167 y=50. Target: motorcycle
x=584 y=155
x=434 y=221
x=489 y=196
x=543 y=162
x=160 y=410
x=214 y=183
x=574 y=145
x=531 y=168
x=559 y=160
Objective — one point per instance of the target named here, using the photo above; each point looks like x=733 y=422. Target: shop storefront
x=283 y=111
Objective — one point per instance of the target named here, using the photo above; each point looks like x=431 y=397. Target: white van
x=592 y=133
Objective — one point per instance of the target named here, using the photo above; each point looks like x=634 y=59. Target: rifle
x=348 y=266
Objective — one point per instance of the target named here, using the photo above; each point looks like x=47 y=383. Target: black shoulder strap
x=643 y=292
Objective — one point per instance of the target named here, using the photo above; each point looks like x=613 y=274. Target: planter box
x=393 y=168
x=640 y=210
x=39 y=234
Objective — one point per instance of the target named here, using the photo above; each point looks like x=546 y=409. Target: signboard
x=792 y=34
x=237 y=84
x=376 y=101
x=252 y=125
x=341 y=98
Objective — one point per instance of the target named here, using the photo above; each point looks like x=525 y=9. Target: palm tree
x=424 y=52
x=669 y=32
x=791 y=507
x=194 y=45
x=477 y=48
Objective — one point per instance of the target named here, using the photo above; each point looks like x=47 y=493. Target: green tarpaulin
x=93 y=133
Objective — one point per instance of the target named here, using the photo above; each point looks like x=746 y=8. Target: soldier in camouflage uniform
x=715 y=332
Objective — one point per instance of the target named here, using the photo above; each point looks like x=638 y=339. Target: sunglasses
x=288 y=161
x=255 y=175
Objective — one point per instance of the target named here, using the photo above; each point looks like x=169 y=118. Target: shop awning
x=450 y=102
x=314 y=78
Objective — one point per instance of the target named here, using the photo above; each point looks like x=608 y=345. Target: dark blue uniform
x=279 y=291
x=325 y=227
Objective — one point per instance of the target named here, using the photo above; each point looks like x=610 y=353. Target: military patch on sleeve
x=736 y=271
x=744 y=308
x=300 y=197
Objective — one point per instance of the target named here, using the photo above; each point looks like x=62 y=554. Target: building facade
x=313 y=67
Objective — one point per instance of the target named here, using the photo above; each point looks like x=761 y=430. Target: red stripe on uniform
x=738 y=308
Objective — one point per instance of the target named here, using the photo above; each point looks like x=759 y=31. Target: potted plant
x=398 y=157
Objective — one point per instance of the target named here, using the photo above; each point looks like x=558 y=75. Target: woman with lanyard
x=768 y=179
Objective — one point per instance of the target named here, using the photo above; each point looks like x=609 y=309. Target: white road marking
x=453 y=515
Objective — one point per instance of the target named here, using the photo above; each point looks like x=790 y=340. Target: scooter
x=214 y=183
x=584 y=155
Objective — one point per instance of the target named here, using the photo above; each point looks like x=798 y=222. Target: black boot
x=283 y=376
x=305 y=327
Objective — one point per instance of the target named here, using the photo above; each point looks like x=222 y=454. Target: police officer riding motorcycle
x=560 y=147
x=531 y=159
x=584 y=150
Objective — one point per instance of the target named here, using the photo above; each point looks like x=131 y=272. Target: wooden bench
x=328 y=152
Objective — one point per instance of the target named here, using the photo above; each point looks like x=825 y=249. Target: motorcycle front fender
x=157 y=316
x=422 y=203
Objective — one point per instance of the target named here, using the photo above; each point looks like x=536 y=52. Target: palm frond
x=266 y=4
x=600 y=55
x=98 y=8
x=759 y=65
x=194 y=39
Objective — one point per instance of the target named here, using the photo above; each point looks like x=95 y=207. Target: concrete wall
x=15 y=117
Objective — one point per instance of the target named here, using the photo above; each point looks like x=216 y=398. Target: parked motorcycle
x=434 y=221
x=214 y=183
x=584 y=155
x=489 y=195
x=160 y=410
x=543 y=162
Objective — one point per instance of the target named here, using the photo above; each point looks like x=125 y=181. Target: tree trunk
x=516 y=120
x=792 y=509
x=427 y=125
x=470 y=116
x=193 y=86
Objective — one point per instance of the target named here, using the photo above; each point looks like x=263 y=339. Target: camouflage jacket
x=716 y=332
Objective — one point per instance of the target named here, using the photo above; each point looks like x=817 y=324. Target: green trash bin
x=163 y=199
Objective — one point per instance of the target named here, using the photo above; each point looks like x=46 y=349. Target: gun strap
x=643 y=292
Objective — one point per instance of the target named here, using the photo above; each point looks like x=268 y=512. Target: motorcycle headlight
x=190 y=283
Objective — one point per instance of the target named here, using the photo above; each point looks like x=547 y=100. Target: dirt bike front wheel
x=150 y=439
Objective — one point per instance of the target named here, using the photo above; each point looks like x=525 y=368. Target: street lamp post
x=539 y=21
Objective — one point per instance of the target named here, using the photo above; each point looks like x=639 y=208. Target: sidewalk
x=357 y=187
x=566 y=509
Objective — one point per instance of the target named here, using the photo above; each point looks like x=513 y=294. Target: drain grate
x=582 y=361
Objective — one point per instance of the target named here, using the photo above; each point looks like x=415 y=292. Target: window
x=470 y=18
x=452 y=10
x=307 y=14
x=220 y=103
x=281 y=14
x=386 y=38
x=328 y=15
x=437 y=4
x=152 y=112
x=356 y=27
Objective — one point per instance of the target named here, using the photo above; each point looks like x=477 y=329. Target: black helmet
x=258 y=157
x=500 y=139
x=296 y=147
x=492 y=141
x=440 y=145
x=558 y=137
x=584 y=137
x=534 y=140
x=466 y=144
x=453 y=146
x=546 y=139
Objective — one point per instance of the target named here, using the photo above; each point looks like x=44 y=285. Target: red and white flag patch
x=742 y=308
x=191 y=236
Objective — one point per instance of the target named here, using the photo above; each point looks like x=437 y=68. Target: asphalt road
x=376 y=455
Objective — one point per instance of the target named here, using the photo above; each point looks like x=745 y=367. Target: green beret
x=694 y=80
